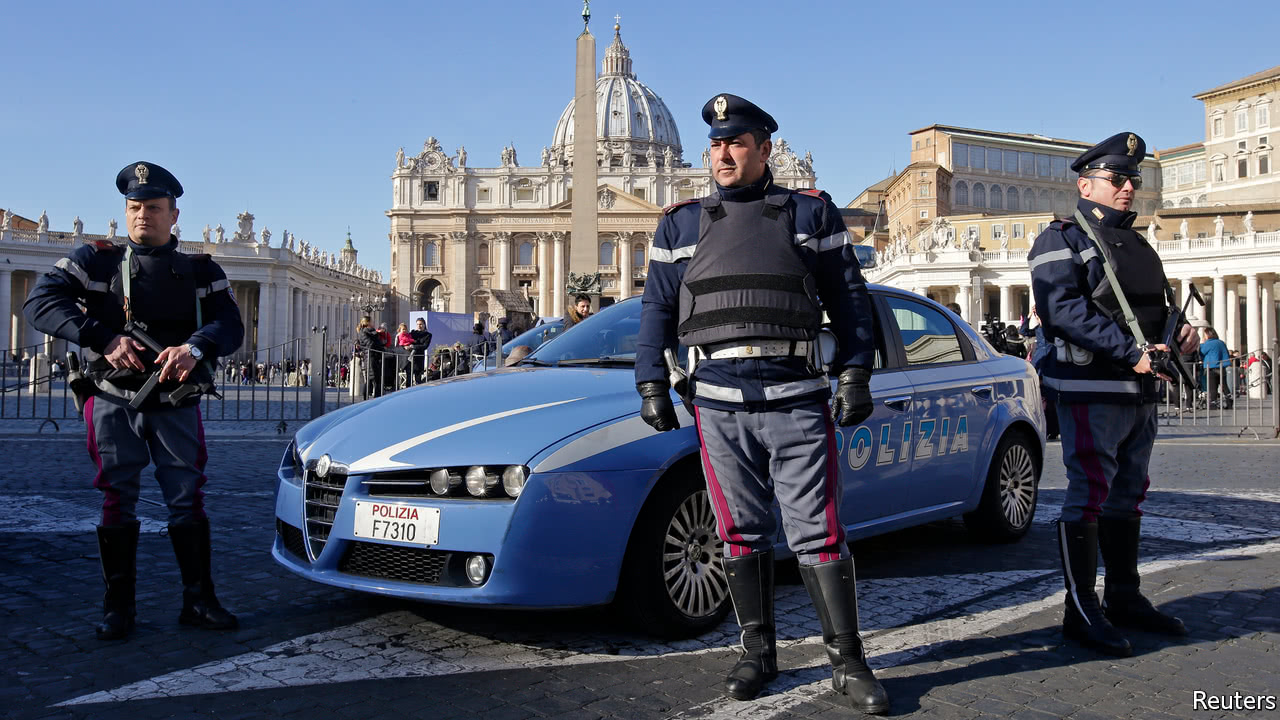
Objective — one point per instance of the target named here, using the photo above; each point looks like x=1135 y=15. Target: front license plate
x=396 y=522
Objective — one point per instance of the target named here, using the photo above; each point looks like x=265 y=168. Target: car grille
x=292 y=540
x=392 y=562
x=323 y=497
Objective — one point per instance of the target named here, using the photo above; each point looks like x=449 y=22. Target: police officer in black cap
x=1099 y=372
x=742 y=278
x=184 y=303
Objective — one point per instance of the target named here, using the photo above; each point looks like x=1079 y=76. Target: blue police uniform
x=1106 y=411
x=177 y=299
x=742 y=278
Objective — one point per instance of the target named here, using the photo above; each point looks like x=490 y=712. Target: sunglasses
x=1118 y=181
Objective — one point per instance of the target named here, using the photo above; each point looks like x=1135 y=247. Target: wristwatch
x=196 y=352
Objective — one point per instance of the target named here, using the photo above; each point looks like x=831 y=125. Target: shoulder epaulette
x=814 y=192
x=677 y=205
x=104 y=245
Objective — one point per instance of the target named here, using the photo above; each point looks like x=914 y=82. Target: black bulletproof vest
x=747 y=279
x=1141 y=274
x=162 y=291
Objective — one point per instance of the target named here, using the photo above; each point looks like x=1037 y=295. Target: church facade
x=459 y=233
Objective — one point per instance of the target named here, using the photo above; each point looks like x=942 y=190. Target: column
x=1184 y=292
x=557 y=283
x=1253 y=329
x=266 y=316
x=544 y=275
x=6 y=308
x=624 y=266
x=1232 y=335
x=962 y=299
x=1006 y=312
x=978 y=294
x=1268 y=315
x=1219 y=304
x=1253 y=315
x=502 y=243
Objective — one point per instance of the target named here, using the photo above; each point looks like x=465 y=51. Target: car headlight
x=513 y=479
x=480 y=482
x=444 y=482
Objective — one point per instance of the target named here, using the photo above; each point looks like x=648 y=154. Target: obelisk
x=583 y=260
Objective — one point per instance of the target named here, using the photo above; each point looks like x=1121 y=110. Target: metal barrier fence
x=1238 y=393
x=293 y=382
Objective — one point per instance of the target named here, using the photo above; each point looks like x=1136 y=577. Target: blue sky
x=294 y=111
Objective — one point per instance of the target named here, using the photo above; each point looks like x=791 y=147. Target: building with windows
x=964 y=213
x=283 y=289
x=459 y=233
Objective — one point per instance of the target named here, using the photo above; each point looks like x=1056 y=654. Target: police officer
x=1101 y=377
x=741 y=277
x=183 y=302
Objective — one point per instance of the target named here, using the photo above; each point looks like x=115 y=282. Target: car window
x=927 y=335
x=611 y=333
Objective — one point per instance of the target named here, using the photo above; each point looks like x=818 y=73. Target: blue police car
x=538 y=485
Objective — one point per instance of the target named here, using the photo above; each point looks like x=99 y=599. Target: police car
x=538 y=485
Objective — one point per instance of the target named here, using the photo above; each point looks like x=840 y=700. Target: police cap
x=1121 y=153
x=730 y=116
x=144 y=180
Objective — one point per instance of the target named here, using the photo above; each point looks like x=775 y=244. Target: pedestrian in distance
x=1103 y=298
x=1217 y=365
x=744 y=305
x=580 y=310
x=185 y=304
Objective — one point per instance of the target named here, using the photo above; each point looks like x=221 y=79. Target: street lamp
x=369 y=303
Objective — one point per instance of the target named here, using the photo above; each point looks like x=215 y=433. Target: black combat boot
x=200 y=607
x=751 y=587
x=1121 y=601
x=834 y=591
x=118 y=548
x=1084 y=620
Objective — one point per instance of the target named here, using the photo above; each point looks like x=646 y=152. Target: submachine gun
x=199 y=380
x=1169 y=362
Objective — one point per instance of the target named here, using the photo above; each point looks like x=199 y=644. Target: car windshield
x=606 y=338
x=534 y=337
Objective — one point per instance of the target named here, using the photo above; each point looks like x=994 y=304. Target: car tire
x=1010 y=493
x=673 y=581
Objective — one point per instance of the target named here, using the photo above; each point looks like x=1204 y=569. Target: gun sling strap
x=1129 y=317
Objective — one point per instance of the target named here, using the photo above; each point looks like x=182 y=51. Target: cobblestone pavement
x=957 y=629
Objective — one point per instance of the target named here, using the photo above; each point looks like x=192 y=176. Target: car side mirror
x=827 y=347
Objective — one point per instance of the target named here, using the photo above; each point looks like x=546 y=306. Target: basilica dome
x=633 y=125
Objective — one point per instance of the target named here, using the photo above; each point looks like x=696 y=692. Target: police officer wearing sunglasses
x=742 y=278
x=1101 y=378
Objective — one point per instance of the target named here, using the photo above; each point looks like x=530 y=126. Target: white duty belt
x=770 y=348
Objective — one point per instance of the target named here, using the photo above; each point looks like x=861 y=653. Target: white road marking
x=796 y=687
x=401 y=644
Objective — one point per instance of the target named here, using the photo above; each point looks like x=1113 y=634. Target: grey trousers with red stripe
x=124 y=441
x=1106 y=448
x=751 y=457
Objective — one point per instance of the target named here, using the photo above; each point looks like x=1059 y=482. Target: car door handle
x=898 y=403
x=982 y=391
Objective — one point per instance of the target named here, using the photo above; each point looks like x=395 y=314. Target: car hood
x=498 y=418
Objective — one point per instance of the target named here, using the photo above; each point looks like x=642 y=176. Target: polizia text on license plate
x=396 y=522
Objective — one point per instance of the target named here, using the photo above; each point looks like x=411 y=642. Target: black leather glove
x=655 y=406
x=852 y=402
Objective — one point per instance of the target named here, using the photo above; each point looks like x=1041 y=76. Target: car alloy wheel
x=1017 y=485
x=692 y=566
